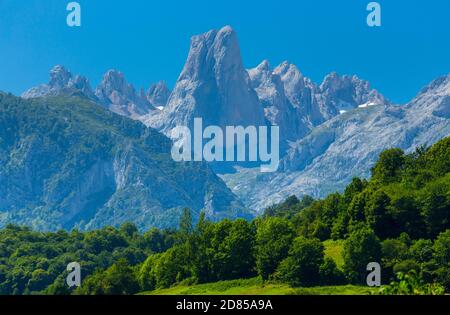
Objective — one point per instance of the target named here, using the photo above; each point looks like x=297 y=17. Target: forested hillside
x=399 y=218
x=66 y=162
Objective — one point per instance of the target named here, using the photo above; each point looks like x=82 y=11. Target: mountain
x=342 y=93
x=330 y=132
x=114 y=92
x=213 y=85
x=303 y=94
x=278 y=109
x=158 y=94
x=61 y=82
x=66 y=162
x=117 y=95
x=347 y=146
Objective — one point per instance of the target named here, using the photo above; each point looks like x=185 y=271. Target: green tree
x=233 y=250
x=356 y=209
x=435 y=202
x=421 y=250
x=406 y=266
x=361 y=248
x=273 y=240
x=389 y=166
x=377 y=215
x=129 y=230
x=58 y=287
x=406 y=214
x=393 y=251
x=202 y=268
x=119 y=279
x=441 y=257
x=353 y=189
x=186 y=225
x=302 y=266
x=158 y=241
x=340 y=226
x=172 y=267
x=330 y=274
x=147 y=273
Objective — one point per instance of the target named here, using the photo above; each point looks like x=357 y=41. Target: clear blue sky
x=148 y=40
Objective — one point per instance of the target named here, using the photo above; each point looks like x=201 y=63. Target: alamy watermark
x=74 y=277
x=74 y=16
x=374 y=17
x=374 y=277
x=230 y=144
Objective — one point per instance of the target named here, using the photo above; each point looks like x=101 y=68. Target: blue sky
x=148 y=40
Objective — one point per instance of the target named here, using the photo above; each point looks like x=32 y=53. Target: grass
x=334 y=250
x=256 y=286
x=337 y=290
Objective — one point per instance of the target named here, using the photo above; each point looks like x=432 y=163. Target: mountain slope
x=347 y=146
x=66 y=162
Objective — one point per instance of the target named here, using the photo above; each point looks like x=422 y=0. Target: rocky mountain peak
x=297 y=87
x=158 y=94
x=343 y=93
x=434 y=99
x=263 y=77
x=302 y=93
x=264 y=66
x=114 y=78
x=277 y=107
x=216 y=52
x=61 y=82
x=114 y=81
x=288 y=71
x=440 y=85
x=121 y=97
x=59 y=77
x=81 y=84
x=213 y=85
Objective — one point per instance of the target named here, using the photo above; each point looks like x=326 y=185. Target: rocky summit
x=213 y=85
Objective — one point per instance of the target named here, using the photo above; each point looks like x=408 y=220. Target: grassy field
x=255 y=286
x=334 y=250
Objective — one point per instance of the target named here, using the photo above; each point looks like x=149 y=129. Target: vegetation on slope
x=399 y=218
x=256 y=286
x=68 y=163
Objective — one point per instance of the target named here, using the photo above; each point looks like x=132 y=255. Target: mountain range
x=114 y=92
x=330 y=132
